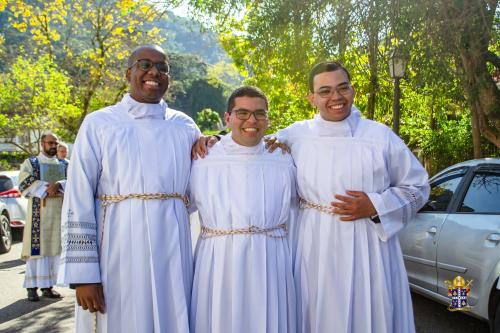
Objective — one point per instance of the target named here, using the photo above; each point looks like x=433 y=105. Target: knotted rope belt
x=304 y=204
x=252 y=230
x=107 y=200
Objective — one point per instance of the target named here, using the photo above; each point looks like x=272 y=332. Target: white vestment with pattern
x=141 y=252
x=243 y=282
x=350 y=276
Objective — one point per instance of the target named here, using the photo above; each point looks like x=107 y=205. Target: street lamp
x=397 y=66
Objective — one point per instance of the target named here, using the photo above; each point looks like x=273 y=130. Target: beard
x=51 y=152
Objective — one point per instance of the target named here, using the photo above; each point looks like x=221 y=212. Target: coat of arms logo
x=458 y=291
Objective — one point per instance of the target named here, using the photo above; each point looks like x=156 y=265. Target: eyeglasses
x=51 y=143
x=146 y=65
x=243 y=114
x=344 y=90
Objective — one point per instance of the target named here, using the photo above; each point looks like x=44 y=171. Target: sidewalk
x=17 y=314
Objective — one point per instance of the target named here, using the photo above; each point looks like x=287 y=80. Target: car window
x=442 y=191
x=5 y=184
x=483 y=194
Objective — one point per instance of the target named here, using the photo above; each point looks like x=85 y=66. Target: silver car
x=457 y=233
x=5 y=231
x=9 y=193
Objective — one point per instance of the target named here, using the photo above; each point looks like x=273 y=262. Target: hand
x=272 y=143
x=90 y=297
x=53 y=190
x=355 y=206
x=200 y=147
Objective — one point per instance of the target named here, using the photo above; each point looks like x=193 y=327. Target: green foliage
x=275 y=43
x=192 y=88
x=33 y=97
x=12 y=160
x=208 y=120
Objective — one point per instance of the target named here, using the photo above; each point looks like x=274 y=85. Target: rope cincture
x=252 y=230
x=304 y=204
x=107 y=200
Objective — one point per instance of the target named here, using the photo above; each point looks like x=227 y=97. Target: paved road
x=19 y=315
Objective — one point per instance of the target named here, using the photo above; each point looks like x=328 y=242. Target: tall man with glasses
x=126 y=238
x=359 y=185
x=42 y=180
x=246 y=198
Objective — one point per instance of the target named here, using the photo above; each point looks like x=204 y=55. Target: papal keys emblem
x=458 y=291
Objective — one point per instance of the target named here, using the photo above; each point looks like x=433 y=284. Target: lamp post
x=397 y=66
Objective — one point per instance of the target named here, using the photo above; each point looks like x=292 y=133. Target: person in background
x=42 y=181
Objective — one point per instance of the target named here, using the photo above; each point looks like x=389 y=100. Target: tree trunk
x=476 y=133
x=482 y=94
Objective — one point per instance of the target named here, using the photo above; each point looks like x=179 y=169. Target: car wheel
x=5 y=234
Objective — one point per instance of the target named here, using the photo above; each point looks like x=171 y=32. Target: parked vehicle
x=9 y=192
x=5 y=230
x=457 y=233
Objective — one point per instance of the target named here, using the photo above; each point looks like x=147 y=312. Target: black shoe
x=33 y=295
x=49 y=293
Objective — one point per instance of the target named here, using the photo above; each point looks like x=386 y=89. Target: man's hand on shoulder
x=202 y=145
x=355 y=206
x=272 y=143
x=90 y=297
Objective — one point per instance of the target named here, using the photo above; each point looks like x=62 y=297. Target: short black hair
x=326 y=66
x=248 y=91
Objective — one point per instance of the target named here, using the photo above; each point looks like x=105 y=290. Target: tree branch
x=492 y=58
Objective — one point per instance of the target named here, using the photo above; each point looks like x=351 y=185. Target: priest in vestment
x=126 y=238
x=42 y=180
x=359 y=185
x=245 y=197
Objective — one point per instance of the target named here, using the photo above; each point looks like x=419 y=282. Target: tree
x=193 y=88
x=89 y=39
x=208 y=120
x=34 y=96
x=465 y=30
x=274 y=43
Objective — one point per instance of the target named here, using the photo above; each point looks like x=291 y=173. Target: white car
x=457 y=233
x=9 y=193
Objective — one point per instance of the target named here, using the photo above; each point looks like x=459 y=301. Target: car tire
x=5 y=234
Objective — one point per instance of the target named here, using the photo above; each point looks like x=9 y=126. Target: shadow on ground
x=11 y=264
x=432 y=317
x=22 y=307
x=40 y=322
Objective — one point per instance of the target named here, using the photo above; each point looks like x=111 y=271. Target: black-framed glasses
x=343 y=89
x=51 y=143
x=243 y=114
x=146 y=65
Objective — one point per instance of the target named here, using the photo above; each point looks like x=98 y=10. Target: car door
x=469 y=242
x=419 y=237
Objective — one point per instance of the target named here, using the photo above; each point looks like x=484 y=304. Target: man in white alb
x=349 y=269
x=245 y=197
x=126 y=239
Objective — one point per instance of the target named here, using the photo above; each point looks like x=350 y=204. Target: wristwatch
x=375 y=218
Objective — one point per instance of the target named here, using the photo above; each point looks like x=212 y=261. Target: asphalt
x=17 y=314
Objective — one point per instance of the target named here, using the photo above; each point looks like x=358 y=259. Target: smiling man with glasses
x=127 y=243
x=359 y=185
x=246 y=198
